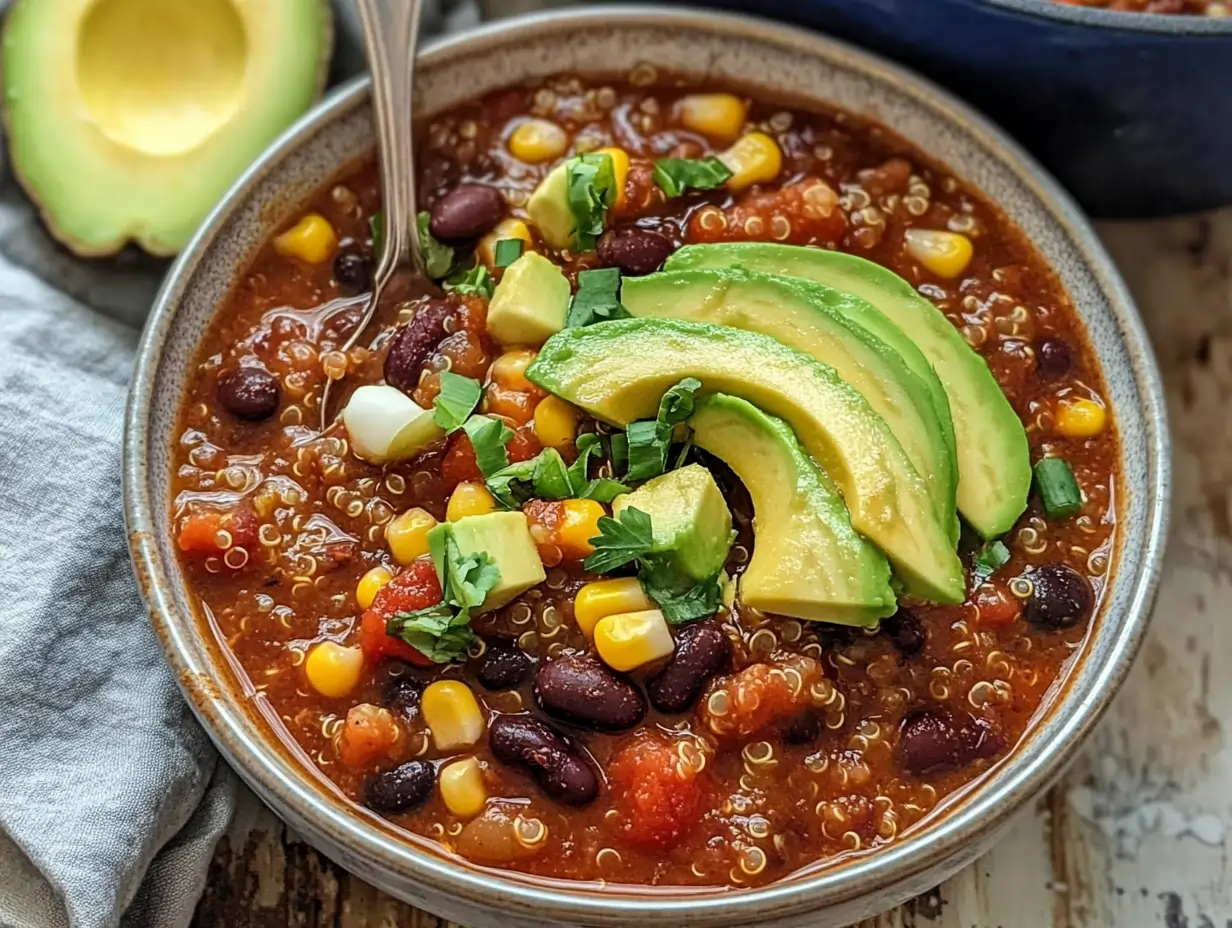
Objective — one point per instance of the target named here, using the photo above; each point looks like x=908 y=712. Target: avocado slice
x=817 y=320
x=505 y=538
x=994 y=462
x=808 y=562
x=617 y=371
x=129 y=120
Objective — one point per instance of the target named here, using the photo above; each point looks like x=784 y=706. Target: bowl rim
x=369 y=848
x=1164 y=24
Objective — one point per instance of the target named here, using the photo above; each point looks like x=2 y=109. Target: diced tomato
x=368 y=735
x=414 y=588
x=199 y=532
x=761 y=696
x=806 y=213
x=524 y=445
x=659 y=796
x=997 y=605
x=459 y=464
x=544 y=517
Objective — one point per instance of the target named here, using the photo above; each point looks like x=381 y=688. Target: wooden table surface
x=1136 y=834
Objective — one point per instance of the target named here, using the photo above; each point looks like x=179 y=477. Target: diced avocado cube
x=689 y=519
x=530 y=303
x=505 y=538
x=549 y=210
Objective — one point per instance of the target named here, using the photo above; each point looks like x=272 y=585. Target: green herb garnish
x=988 y=559
x=508 y=250
x=458 y=398
x=618 y=445
x=696 y=602
x=376 y=228
x=591 y=183
x=475 y=282
x=597 y=298
x=676 y=176
x=620 y=541
x=438 y=258
x=545 y=476
x=488 y=437
x=1057 y=488
x=649 y=441
x=438 y=633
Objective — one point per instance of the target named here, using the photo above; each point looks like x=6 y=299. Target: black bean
x=1053 y=358
x=413 y=343
x=400 y=789
x=906 y=631
x=802 y=729
x=352 y=273
x=503 y=666
x=578 y=689
x=562 y=772
x=402 y=695
x=928 y=741
x=635 y=251
x=702 y=650
x=1060 y=597
x=250 y=393
x=465 y=213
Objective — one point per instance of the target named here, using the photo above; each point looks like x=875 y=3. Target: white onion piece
x=384 y=424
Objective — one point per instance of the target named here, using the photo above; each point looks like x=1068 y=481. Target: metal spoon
x=391 y=33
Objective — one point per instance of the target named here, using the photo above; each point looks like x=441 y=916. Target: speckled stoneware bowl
x=776 y=58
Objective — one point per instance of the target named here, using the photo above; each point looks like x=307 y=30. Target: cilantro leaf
x=677 y=403
x=457 y=400
x=675 y=176
x=551 y=478
x=436 y=632
x=988 y=559
x=591 y=183
x=488 y=437
x=475 y=282
x=597 y=298
x=587 y=444
x=508 y=250
x=649 y=441
x=376 y=228
x=513 y=485
x=618 y=445
x=620 y=541
x=438 y=258
x=601 y=489
x=695 y=602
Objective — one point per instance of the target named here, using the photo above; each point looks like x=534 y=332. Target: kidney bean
x=702 y=650
x=250 y=393
x=465 y=213
x=401 y=788
x=579 y=689
x=402 y=695
x=413 y=343
x=1053 y=358
x=503 y=666
x=352 y=273
x=635 y=251
x=1060 y=597
x=906 y=631
x=933 y=740
x=524 y=741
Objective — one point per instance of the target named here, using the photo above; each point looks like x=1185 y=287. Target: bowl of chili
x=399 y=632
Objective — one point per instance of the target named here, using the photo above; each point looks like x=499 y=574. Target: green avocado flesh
x=129 y=119
x=808 y=562
x=814 y=319
x=994 y=465
x=618 y=371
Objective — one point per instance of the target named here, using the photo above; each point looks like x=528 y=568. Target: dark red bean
x=1060 y=597
x=1053 y=358
x=465 y=213
x=352 y=273
x=579 y=689
x=635 y=251
x=933 y=740
x=400 y=789
x=547 y=755
x=802 y=729
x=413 y=343
x=906 y=631
x=250 y=393
x=503 y=666
x=402 y=696
x=702 y=650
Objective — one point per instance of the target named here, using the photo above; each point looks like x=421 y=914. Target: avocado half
x=129 y=119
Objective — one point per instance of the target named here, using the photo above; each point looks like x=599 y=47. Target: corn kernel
x=754 y=159
x=509 y=370
x=462 y=787
x=1081 y=419
x=538 y=140
x=452 y=712
x=620 y=170
x=719 y=115
x=469 y=499
x=407 y=535
x=370 y=584
x=312 y=239
x=631 y=639
x=556 y=423
x=946 y=254
x=332 y=669
x=602 y=598
x=507 y=228
x=579 y=524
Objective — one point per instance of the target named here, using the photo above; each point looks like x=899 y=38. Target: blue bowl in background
x=1131 y=111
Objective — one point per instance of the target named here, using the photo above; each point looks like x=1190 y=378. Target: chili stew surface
x=755 y=744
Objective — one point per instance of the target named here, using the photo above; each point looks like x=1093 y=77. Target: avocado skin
x=994 y=462
x=617 y=372
x=807 y=562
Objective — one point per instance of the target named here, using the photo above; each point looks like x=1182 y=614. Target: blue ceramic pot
x=1133 y=112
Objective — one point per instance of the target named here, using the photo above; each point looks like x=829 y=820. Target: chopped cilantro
x=694 y=602
x=508 y=250
x=620 y=541
x=988 y=559
x=457 y=400
x=488 y=437
x=649 y=441
x=591 y=182
x=438 y=258
x=475 y=282
x=545 y=476
x=597 y=298
x=376 y=228
x=675 y=176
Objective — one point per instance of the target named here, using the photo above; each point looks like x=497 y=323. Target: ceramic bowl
x=1129 y=110
x=457 y=69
